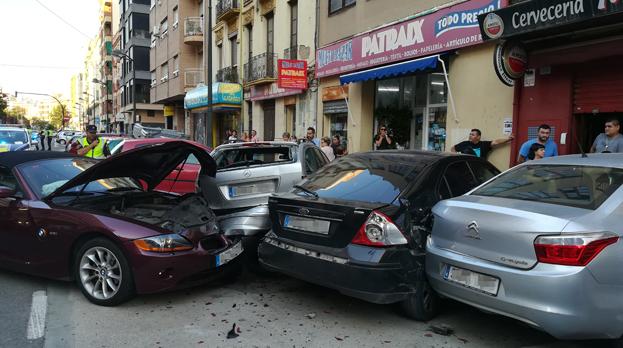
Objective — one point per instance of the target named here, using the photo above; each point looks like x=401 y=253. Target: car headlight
x=164 y=244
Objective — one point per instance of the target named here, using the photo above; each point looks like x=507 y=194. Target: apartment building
x=103 y=80
x=90 y=98
x=136 y=103
x=418 y=68
x=176 y=56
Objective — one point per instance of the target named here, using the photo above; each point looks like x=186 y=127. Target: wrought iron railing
x=193 y=26
x=291 y=53
x=224 y=6
x=263 y=66
x=228 y=74
x=192 y=77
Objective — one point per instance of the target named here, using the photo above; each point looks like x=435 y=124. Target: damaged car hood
x=151 y=164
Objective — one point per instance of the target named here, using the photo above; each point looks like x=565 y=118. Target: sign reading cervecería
x=536 y=15
x=443 y=30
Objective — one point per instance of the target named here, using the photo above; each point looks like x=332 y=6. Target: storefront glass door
x=414 y=109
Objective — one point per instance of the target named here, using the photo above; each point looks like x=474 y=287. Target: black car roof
x=12 y=159
x=406 y=156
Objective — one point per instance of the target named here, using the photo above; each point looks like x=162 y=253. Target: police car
x=14 y=138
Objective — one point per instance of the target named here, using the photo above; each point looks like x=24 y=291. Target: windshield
x=373 y=180
x=574 y=186
x=253 y=155
x=13 y=137
x=44 y=177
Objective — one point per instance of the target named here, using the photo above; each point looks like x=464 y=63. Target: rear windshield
x=361 y=179
x=253 y=155
x=575 y=186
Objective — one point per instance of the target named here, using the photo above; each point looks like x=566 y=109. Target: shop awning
x=391 y=70
x=224 y=96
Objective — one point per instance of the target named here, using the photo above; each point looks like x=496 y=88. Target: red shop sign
x=292 y=73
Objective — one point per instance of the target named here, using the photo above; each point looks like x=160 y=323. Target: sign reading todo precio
x=292 y=74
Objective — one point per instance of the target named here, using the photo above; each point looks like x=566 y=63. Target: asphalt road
x=270 y=312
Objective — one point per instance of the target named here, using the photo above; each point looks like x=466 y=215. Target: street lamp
x=49 y=95
x=120 y=54
x=105 y=86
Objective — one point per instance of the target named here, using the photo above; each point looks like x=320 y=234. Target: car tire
x=423 y=304
x=102 y=273
x=62 y=142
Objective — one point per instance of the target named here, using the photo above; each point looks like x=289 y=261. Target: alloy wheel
x=100 y=273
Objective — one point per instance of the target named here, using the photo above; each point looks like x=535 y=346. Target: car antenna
x=579 y=145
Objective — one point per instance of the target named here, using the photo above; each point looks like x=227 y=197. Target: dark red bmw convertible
x=103 y=225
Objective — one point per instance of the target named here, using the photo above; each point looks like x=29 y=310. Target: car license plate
x=306 y=224
x=472 y=280
x=229 y=254
x=261 y=187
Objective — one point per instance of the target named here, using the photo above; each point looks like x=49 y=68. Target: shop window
x=339 y=127
x=414 y=109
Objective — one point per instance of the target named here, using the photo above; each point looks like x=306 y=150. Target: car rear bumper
x=154 y=272
x=359 y=272
x=253 y=221
x=563 y=301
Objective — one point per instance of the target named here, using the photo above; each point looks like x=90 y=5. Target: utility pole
x=207 y=58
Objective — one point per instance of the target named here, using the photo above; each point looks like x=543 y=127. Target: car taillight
x=573 y=249
x=379 y=230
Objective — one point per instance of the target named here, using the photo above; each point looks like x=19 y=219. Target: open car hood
x=151 y=164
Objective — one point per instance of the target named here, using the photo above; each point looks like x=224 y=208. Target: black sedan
x=359 y=225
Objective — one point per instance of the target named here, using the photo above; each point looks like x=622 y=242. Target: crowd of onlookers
x=333 y=147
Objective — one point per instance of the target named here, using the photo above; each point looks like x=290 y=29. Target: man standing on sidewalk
x=50 y=134
x=611 y=140
x=543 y=133
x=474 y=146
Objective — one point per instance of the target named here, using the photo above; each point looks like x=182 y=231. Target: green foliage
x=3 y=106
x=56 y=116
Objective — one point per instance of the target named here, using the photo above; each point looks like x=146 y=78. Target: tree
x=17 y=114
x=38 y=123
x=3 y=105
x=56 y=116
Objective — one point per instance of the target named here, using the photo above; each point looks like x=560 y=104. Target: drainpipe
x=240 y=70
x=207 y=57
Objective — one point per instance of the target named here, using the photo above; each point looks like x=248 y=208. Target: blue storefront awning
x=391 y=70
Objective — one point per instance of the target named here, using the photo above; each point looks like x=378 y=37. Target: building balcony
x=229 y=74
x=261 y=69
x=192 y=77
x=193 y=31
x=226 y=9
x=291 y=53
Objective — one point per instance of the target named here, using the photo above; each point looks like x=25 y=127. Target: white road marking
x=38 y=310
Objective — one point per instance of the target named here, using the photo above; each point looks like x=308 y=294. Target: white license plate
x=262 y=187
x=472 y=280
x=228 y=254
x=306 y=224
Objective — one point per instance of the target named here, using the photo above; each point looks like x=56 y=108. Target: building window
x=336 y=5
x=250 y=42
x=219 y=49
x=293 y=29
x=164 y=71
x=164 y=28
x=270 y=30
x=176 y=17
x=176 y=66
x=234 y=50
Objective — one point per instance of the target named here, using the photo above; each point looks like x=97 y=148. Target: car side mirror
x=6 y=192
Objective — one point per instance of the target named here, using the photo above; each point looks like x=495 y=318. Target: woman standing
x=326 y=148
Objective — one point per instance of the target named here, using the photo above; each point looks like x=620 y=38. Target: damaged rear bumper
x=372 y=274
x=250 y=222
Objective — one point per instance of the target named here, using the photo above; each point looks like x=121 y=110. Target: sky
x=38 y=51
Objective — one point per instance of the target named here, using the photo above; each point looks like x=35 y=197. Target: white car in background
x=64 y=136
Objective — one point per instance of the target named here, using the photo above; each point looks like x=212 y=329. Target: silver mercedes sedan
x=538 y=243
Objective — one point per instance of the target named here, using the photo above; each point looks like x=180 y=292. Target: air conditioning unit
x=156 y=30
x=176 y=73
